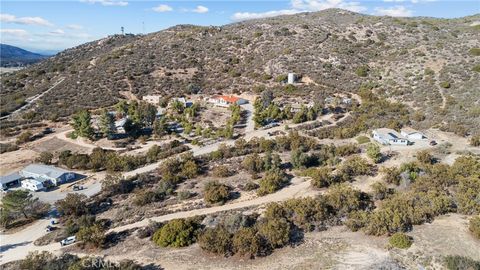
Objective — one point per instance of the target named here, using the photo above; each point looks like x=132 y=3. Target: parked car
x=68 y=240
x=53 y=222
x=432 y=143
x=77 y=187
x=50 y=228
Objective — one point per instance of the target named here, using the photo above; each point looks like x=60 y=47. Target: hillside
x=426 y=63
x=11 y=56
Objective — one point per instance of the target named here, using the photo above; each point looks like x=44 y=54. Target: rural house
x=412 y=134
x=44 y=173
x=226 y=101
x=10 y=180
x=388 y=136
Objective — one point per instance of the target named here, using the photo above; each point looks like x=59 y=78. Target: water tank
x=291 y=78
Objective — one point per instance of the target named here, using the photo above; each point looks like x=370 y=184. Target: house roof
x=121 y=122
x=389 y=134
x=40 y=169
x=229 y=99
x=9 y=178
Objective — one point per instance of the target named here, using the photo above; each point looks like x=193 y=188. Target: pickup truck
x=68 y=240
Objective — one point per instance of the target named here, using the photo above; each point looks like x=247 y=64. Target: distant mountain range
x=11 y=56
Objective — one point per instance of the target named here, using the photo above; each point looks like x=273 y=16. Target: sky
x=52 y=26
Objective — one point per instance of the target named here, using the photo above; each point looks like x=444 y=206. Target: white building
x=32 y=184
x=10 y=180
x=412 y=134
x=388 y=136
x=226 y=101
x=186 y=103
x=44 y=173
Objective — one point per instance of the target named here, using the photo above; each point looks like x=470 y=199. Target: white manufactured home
x=388 y=136
x=44 y=173
x=412 y=134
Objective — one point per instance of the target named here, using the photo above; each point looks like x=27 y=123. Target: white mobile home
x=388 y=136
x=32 y=184
x=44 y=173
x=412 y=134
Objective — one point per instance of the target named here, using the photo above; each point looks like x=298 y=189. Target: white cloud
x=302 y=6
x=241 y=16
x=14 y=32
x=57 y=32
x=74 y=27
x=162 y=8
x=396 y=11
x=8 y=18
x=107 y=2
x=200 y=9
x=411 y=1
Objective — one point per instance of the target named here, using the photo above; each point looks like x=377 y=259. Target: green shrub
x=214 y=192
x=461 y=263
x=445 y=85
x=475 y=51
x=474 y=226
x=176 y=233
x=400 y=240
x=362 y=139
x=373 y=152
x=276 y=230
x=362 y=71
x=321 y=177
x=243 y=240
x=271 y=182
x=216 y=240
x=475 y=140
x=476 y=68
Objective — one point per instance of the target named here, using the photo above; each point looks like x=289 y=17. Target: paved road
x=33 y=100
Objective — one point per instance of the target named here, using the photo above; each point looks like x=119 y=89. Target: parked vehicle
x=68 y=240
x=50 y=228
x=432 y=143
x=77 y=187
x=53 y=222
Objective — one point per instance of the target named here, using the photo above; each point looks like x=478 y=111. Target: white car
x=68 y=240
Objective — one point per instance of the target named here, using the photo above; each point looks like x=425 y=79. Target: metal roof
x=10 y=178
x=389 y=134
x=41 y=169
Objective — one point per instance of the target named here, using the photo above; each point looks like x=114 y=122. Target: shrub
x=392 y=175
x=344 y=199
x=476 y=68
x=362 y=139
x=214 y=192
x=373 y=152
x=176 y=233
x=272 y=181
x=461 y=263
x=475 y=51
x=92 y=235
x=276 y=230
x=217 y=240
x=357 y=220
x=425 y=157
x=445 y=85
x=249 y=186
x=24 y=137
x=242 y=242
x=400 y=240
x=380 y=190
x=474 y=226
x=467 y=195
x=321 y=177
x=222 y=171
x=362 y=71
x=475 y=140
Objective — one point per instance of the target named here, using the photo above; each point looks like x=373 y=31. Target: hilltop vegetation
x=405 y=59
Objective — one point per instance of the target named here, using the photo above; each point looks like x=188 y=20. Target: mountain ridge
x=11 y=56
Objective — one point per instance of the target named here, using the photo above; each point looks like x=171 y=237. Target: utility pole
x=123 y=30
x=143 y=27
